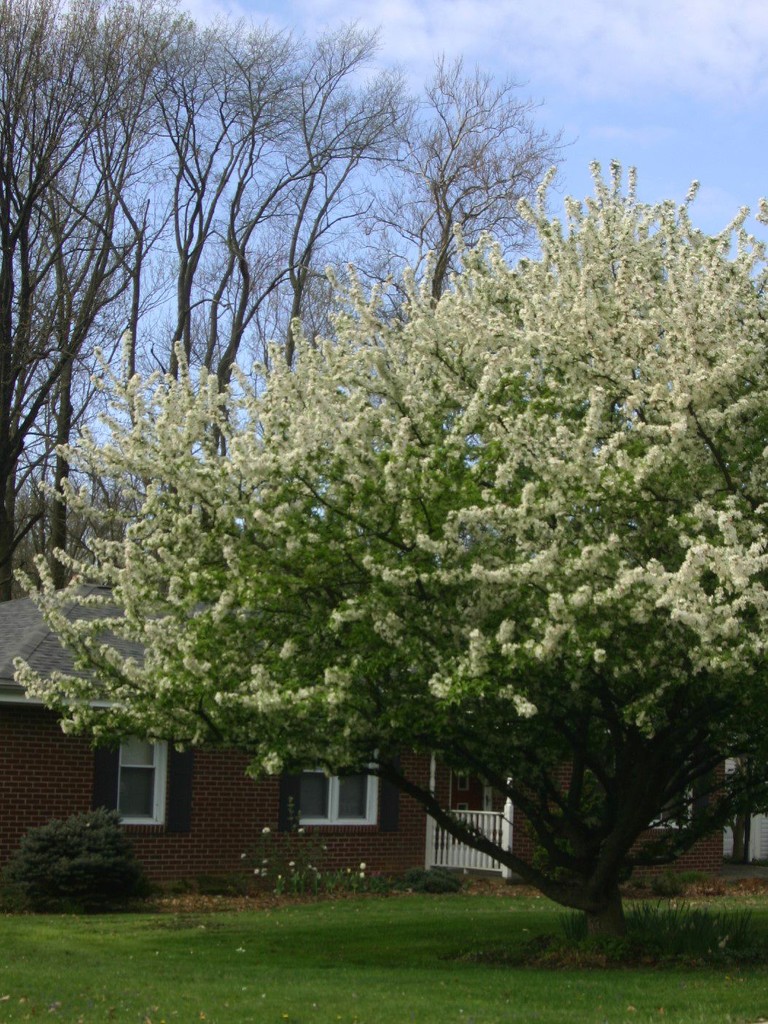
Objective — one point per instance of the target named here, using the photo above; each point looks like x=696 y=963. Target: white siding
x=758 y=839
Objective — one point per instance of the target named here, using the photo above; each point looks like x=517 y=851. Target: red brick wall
x=44 y=775
x=704 y=855
x=389 y=852
x=230 y=811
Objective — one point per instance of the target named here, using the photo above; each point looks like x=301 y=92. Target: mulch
x=204 y=903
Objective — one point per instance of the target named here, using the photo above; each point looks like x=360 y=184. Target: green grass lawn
x=356 y=961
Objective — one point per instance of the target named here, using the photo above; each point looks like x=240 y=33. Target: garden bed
x=209 y=902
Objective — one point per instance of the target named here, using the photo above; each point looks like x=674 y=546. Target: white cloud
x=703 y=48
x=711 y=49
x=205 y=11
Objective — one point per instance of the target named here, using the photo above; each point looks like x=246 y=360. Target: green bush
x=668 y=884
x=680 y=929
x=229 y=884
x=669 y=930
x=434 y=880
x=83 y=863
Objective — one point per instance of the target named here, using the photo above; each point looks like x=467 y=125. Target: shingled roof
x=25 y=634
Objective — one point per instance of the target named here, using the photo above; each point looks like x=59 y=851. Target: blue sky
x=677 y=88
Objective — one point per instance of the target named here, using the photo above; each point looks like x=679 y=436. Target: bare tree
x=340 y=130
x=63 y=252
x=221 y=103
x=142 y=156
x=472 y=151
x=133 y=42
x=267 y=134
x=184 y=188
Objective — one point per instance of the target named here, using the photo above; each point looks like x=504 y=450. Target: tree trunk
x=738 y=839
x=58 y=512
x=747 y=837
x=6 y=547
x=609 y=919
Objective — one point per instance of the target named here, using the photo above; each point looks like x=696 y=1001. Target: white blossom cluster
x=549 y=488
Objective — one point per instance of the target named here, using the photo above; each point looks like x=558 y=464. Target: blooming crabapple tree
x=524 y=529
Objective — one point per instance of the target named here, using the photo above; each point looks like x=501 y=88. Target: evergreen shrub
x=82 y=863
x=434 y=880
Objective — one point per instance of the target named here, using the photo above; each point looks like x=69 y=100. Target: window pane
x=136 y=752
x=313 y=795
x=353 y=793
x=137 y=792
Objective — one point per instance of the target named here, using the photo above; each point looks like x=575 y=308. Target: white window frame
x=160 y=769
x=371 y=803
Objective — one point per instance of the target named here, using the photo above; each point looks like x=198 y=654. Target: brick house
x=196 y=812
x=188 y=813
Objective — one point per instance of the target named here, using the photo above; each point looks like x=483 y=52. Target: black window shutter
x=106 y=765
x=288 y=809
x=389 y=805
x=178 y=816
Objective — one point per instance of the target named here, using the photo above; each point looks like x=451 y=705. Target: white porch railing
x=444 y=851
